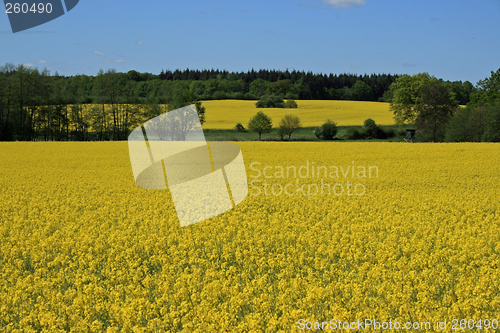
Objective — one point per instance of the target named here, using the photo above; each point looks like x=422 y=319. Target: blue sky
x=453 y=40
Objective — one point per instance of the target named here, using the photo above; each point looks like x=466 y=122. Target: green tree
x=492 y=124
x=488 y=90
x=436 y=106
x=467 y=125
x=260 y=123
x=289 y=124
x=259 y=87
x=406 y=97
x=361 y=91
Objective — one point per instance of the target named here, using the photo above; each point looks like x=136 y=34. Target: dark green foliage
x=327 y=131
x=270 y=101
x=488 y=90
x=353 y=134
x=437 y=105
x=492 y=129
x=219 y=95
x=475 y=124
x=370 y=128
x=362 y=92
x=291 y=104
x=390 y=133
x=373 y=131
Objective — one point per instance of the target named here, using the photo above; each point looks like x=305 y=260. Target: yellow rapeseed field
x=227 y=113
x=409 y=233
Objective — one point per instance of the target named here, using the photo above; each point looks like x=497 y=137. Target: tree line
x=431 y=106
x=37 y=105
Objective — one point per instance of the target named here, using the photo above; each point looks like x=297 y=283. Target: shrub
x=390 y=132
x=327 y=131
x=353 y=134
x=290 y=95
x=291 y=104
x=373 y=131
x=370 y=128
x=239 y=128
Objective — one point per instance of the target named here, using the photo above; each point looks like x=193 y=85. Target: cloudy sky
x=450 y=39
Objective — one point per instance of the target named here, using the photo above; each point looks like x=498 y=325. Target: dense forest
x=34 y=104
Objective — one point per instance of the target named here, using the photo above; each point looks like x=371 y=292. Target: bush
x=270 y=101
x=327 y=131
x=373 y=131
x=291 y=104
x=239 y=128
x=390 y=133
x=353 y=134
x=370 y=128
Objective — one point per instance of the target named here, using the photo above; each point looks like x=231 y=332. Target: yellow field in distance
x=226 y=114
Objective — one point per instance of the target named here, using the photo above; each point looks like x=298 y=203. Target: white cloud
x=99 y=53
x=28 y=64
x=140 y=42
x=114 y=61
x=41 y=61
x=344 y=3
